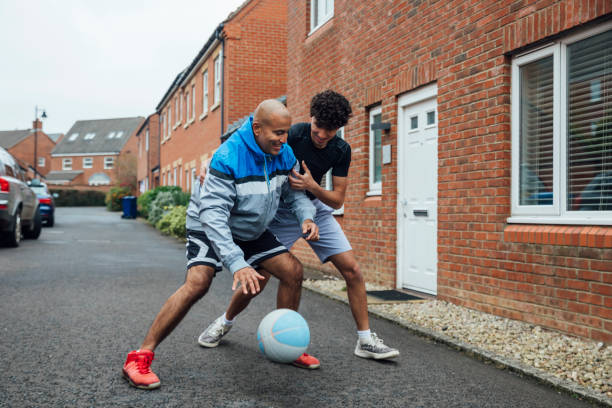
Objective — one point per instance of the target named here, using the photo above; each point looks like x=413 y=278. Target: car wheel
x=35 y=226
x=51 y=220
x=14 y=237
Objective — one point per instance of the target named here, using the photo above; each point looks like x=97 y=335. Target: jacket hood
x=245 y=132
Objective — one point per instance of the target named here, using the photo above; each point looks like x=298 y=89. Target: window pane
x=431 y=118
x=589 y=116
x=536 y=133
x=377 y=151
x=414 y=122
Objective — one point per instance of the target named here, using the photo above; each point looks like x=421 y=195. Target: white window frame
x=375 y=187
x=193 y=176
x=193 y=101
x=329 y=181
x=186 y=179
x=314 y=23
x=147 y=140
x=163 y=121
x=181 y=108
x=41 y=162
x=107 y=160
x=217 y=90
x=557 y=213
x=187 y=107
x=85 y=166
x=205 y=92
x=67 y=163
x=174 y=177
x=176 y=110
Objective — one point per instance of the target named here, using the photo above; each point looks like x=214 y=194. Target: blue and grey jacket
x=241 y=193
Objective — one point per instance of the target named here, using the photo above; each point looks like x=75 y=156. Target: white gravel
x=578 y=360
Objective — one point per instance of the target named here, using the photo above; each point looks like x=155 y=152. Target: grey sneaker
x=213 y=333
x=375 y=348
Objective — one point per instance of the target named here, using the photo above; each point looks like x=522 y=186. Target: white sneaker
x=213 y=333
x=374 y=348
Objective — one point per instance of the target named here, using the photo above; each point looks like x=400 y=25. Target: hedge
x=173 y=222
x=78 y=198
x=114 y=196
x=146 y=199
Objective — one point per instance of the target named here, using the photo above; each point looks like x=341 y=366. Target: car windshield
x=39 y=189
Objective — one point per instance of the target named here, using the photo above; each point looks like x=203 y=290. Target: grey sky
x=85 y=59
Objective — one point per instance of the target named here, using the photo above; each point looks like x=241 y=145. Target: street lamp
x=43 y=116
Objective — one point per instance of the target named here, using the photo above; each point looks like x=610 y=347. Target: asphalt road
x=78 y=299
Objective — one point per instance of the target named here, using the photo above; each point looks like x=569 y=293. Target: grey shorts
x=332 y=240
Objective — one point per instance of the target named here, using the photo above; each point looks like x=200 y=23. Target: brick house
x=87 y=156
x=147 y=137
x=481 y=148
x=242 y=63
x=26 y=144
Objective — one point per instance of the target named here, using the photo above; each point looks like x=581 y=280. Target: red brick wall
x=255 y=69
x=373 y=52
x=255 y=57
x=147 y=160
x=24 y=150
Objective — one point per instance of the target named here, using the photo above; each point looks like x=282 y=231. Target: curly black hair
x=330 y=110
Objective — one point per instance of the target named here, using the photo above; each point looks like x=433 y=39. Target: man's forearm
x=335 y=199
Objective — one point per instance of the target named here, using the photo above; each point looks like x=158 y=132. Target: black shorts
x=200 y=251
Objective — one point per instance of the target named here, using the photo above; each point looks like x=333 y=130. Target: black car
x=46 y=202
x=19 y=209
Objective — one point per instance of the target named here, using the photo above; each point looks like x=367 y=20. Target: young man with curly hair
x=318 y=149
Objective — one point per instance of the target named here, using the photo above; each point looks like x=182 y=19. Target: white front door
x=417 y=206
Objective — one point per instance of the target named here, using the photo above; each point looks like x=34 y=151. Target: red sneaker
x=307 y=361
x=137 y=370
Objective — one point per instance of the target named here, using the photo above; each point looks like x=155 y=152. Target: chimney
x=37 y=124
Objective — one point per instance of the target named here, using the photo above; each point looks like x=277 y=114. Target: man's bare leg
x=289 y=272
x=346 y=263
x=196 y=285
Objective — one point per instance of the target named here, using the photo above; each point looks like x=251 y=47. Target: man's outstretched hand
x=248 y=279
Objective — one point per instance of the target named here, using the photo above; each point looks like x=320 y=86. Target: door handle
x=420 y=213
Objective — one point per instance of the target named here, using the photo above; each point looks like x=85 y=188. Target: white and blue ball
x=283 y=335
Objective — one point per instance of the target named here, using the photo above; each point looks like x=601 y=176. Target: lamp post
x=43 y=116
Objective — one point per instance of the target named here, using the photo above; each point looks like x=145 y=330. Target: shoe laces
x=376 y=340
x=218 y=329
x=143 y=364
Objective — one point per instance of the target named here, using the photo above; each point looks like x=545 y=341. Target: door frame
x=419 y=95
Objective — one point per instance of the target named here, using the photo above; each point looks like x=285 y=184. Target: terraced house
x=32 y=147
x=243 y=62
x=88 y=155
x=482 y=148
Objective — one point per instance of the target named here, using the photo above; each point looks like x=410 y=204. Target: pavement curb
x=484 y=355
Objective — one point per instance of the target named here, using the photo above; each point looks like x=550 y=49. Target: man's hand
x=248 y=278
x=302 y=181
x=310 y=228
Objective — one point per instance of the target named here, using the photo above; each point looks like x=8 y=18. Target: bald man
x=247 y=177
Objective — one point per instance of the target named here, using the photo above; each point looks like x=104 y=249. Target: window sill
x=374 y=193
x=189 y=123
x=323 y=23
x=202 y=116
x=584 y=236
x=372 y=201
x=215 y=106
x=588 y=221
x=177 y=124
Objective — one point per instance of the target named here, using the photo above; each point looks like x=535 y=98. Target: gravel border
x=335 y=289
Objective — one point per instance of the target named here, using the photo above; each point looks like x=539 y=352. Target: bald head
x=271 y=123
x=270 y=110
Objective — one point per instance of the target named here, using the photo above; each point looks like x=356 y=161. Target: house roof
x=63 y=175
x=9 y=138
x=55 y=136
x=97 y=136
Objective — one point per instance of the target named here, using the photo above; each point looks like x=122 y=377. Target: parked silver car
x=19 y=209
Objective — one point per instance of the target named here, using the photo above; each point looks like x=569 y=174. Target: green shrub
x=162 y=204
x=114 y=196
x=78 y=198
x=173 y=222
x=146 y=199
